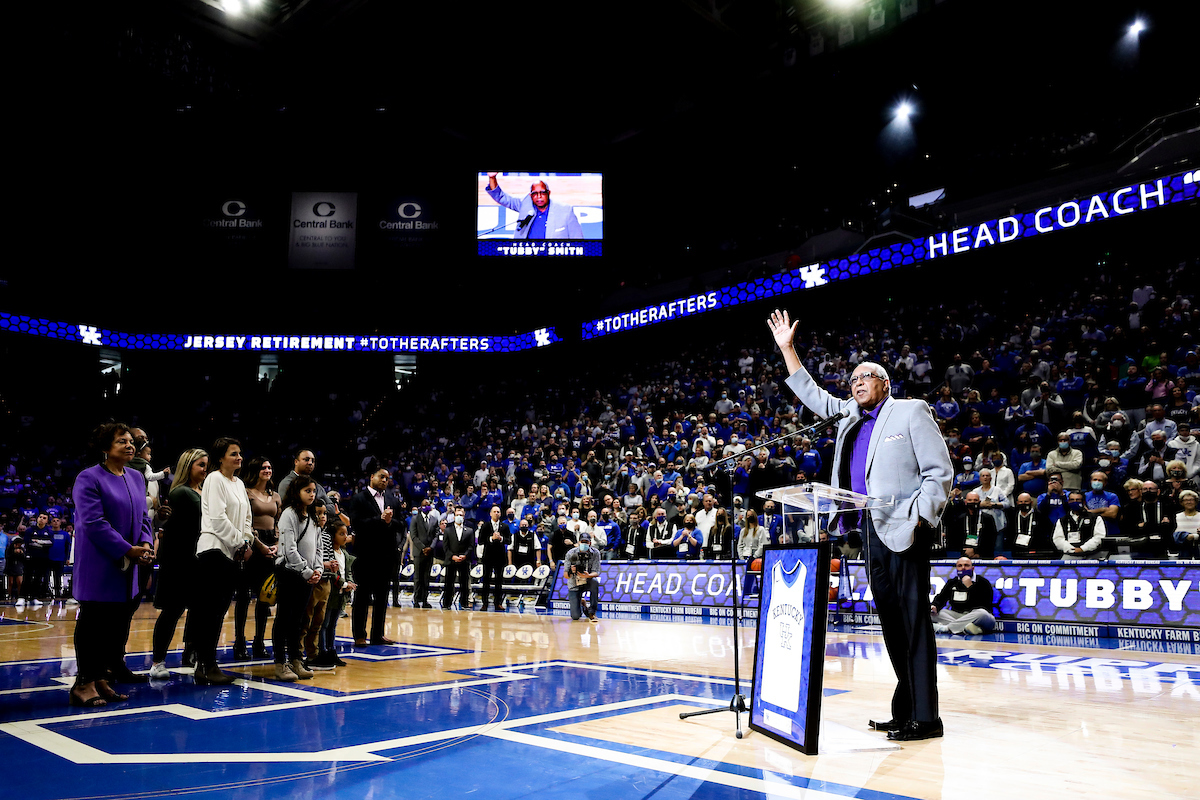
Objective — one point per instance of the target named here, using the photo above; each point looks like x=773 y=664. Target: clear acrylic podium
x=809 y=508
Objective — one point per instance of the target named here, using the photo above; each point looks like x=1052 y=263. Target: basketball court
x=527 y=704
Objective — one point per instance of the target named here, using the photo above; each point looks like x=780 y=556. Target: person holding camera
x=583 y=567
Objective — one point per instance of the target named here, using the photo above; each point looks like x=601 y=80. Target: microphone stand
x=737 y=704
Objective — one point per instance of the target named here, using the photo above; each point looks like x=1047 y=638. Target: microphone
x=836 y=417
x=523 y=223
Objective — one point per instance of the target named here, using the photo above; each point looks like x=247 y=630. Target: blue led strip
x=1118 y=202
x=275 y=343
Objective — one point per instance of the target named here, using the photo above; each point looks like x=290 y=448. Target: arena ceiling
x=728 y=128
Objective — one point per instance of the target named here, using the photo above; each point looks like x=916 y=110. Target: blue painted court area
x=488 y=731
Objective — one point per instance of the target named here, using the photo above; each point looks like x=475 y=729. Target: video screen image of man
x=540 y=216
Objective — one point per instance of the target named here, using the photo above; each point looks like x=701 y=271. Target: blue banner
x=1160 y=594
x=662 y=583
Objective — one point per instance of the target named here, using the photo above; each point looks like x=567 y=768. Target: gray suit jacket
x=560 y=224
x=907 y=458
x=421 y=534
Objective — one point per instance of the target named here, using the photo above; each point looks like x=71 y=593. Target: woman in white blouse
x=225 y=535
x=1187 y=525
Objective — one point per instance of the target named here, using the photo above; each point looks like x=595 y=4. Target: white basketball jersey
x=784 y=635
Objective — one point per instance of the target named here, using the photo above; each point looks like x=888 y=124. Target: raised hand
x=782 y=328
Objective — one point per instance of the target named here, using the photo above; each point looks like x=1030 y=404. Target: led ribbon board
x=275 y=343
x=1160 y=594
x=1119 y=202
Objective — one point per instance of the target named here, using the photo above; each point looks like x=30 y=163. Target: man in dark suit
x=889 y=448
x=377 y=533
x=422 y=532
x=495 y=537
x=971 y=533
x=458 y=542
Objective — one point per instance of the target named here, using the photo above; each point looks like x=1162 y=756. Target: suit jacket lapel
x=880 y=424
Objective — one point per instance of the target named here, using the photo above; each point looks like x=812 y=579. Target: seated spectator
x=1187 y=525
x=970 y=602
x=1177 y=480
x=1077 y=535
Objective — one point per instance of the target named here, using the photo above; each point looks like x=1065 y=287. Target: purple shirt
x=862 y=445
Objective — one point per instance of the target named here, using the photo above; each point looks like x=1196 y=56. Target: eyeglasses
x=540 y=191
x=857 y=379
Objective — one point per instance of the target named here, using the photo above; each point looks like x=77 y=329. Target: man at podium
x=888 y=447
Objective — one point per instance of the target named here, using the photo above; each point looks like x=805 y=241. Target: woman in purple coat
x=112 y=543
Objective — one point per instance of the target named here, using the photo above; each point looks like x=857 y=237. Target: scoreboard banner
x=789 y=664
x=663 y=583
x=1160 y=594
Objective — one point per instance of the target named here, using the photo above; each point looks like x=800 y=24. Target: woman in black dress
x=177 y=565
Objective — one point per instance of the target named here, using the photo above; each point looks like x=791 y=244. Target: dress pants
x=214 y=592
x=371 y=596
x=900 y=585
x=100 y=634
x=493 y=580
x=457 y=573
x=421 y=579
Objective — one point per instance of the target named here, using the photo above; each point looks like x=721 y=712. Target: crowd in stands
x=1070 y=424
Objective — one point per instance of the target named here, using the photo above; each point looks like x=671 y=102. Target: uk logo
x=542 y=337
x=89 y=335
x=813 y=276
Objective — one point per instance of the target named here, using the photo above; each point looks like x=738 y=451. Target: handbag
x=268 y=592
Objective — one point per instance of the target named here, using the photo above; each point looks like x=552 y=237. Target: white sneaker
x=71 y=601
x=20 y=602
x=159 y=672
x=36 y=603
x=940 y=627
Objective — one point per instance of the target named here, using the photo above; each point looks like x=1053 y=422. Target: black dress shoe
x=914 y=731
x=123 y=674
x=885 y=726
x=240 y=651
x=260 y=650
x=426 y=605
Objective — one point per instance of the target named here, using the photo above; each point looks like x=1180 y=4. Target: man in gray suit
x=546 y=220
x=888 y=447
x=422 y=532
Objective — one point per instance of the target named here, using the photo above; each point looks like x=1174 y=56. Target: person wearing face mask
x=614 y=541
x=458 y=543
x=1147 y=521
x=1152 y=460
x=1078 y=535
x=1177 y=480
x=562 y=540
x=582 y=565
x=969 y=601
x=1187 y=450
x=526 y=548
x=495 y=537
x=720 y=539
x=969 y=528
x=1067 y=460
x=1109 y=462
x=1099 y=501
x=1026 y=534
x=688 y=541
x=422 y=531
x=656 y=541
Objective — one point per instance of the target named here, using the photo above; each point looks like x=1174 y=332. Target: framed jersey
x=785 y=700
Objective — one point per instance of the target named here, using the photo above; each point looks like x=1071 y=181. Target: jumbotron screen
x=540 y=214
